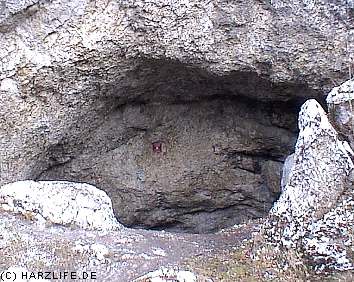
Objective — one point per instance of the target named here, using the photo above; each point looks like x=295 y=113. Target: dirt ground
x=113 y=256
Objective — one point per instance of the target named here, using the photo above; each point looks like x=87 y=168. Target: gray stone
x=65 y=203
x=190 y=186
x=340 y=110
x=287 y=167
x=271 y=172
x=87 y=87
x=314 y=212
x=168 y=274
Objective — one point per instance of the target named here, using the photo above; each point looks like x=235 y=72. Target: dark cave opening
x=223 y=140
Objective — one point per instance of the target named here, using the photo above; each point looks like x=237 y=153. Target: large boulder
x=87 y=88
x=314 y=213
x=65 y=203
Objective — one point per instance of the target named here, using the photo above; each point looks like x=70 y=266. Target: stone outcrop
x=168 y=274
x=340 y=110
x=65 y=203
x=87 y=87
x=314 y=213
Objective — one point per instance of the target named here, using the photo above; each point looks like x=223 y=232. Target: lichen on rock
x=314 y=212
x=340 y=110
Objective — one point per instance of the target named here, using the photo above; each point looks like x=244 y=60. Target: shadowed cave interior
x=182 y=149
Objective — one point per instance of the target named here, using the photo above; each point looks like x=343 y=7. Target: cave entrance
x=186 y=150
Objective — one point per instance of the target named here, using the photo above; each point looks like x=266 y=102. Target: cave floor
x=115 y=256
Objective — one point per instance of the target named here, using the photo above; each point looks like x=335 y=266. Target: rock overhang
x=221 y=149
x=83 y=89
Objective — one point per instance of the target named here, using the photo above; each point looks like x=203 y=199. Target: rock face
x=315 y=210
x=87 y=88
x=214 y=169
x=340 y=110
x=65 y=203
x=286 y=170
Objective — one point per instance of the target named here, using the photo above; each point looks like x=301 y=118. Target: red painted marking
x=157 y=147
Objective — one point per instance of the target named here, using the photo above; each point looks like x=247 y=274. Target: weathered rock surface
x=286 y=170
x=168 y=274
x=86 y=87
x=213 y=171
x=340 y=110
x=315 y=210
x=65 y=203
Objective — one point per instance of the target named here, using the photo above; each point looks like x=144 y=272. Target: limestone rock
x=286 y=170
x=316 y=203
x=329 y=241
x=96 y=251
x=272 y=171
x=72 y=204
x=168 y=274
x=340 y=110
x=87 y=86
x=322 y=160
x=205 y=179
